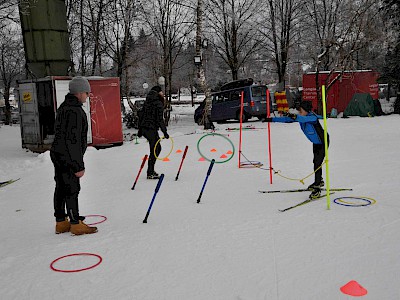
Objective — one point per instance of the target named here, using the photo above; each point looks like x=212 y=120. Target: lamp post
x=197 y=60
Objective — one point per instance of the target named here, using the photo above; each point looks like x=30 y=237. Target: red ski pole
x=140 y=171
x=183 y=158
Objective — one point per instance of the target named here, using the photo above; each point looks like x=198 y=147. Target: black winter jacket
x=71 y=127
x=152 y=116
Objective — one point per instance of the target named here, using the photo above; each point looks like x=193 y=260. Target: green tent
x=360 y=105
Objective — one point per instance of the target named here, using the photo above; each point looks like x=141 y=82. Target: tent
x=360 y=105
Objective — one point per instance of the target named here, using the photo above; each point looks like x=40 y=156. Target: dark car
x=14 y=114
x=226 y=104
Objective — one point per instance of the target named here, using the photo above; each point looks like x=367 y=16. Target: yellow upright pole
x=328 y=198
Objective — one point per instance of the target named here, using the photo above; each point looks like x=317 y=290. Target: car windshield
x=259 y=91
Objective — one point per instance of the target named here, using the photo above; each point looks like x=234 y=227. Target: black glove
x=267 y=120
x=290 y=115
x=166 y=135
x=140 y=133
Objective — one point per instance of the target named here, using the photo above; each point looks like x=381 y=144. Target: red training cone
x=353 y=288
x=223 y=156
x=202 y=159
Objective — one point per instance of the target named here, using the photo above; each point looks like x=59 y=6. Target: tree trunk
x=82 y=41
x=234 y=74
x=200 y=70
x=7 y=104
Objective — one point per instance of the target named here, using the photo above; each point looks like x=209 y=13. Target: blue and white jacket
x=309 y=124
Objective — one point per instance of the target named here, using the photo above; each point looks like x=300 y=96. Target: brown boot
x=63 y=226
x=82 y=228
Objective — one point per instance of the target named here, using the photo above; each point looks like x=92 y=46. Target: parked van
x=226 y=103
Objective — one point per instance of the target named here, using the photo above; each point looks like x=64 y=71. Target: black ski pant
x=319 y=155
x=152 y=136
x=66 y=191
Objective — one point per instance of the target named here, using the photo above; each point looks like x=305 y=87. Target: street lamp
x=197 y=60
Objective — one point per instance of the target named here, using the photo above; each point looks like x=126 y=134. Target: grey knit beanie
x=79 y=84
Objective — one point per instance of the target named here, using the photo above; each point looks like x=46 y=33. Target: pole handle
x=140 y=171
x=159 y=183
x=144 y=161
x=180 y=166
x=184 y=152
x=210 y=167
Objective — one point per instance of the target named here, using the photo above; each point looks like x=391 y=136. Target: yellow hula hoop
x=172 y=148
x=373 y=201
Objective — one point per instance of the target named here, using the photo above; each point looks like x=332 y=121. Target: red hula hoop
x=77 y=270
x=104 y=219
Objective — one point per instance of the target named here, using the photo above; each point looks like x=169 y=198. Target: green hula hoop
x=220 y=161
x=155 y=147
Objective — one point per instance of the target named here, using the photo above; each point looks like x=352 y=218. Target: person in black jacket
x=150 y=122
x=68 y=148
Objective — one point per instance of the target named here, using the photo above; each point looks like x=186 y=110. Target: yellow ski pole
x=328 y=198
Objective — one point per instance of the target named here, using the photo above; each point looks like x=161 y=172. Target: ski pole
x=183 y=158
x=205 y=181
x=154 y=196
x=140 y=170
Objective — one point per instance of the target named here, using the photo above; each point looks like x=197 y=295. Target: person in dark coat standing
x=150 y=122
x=68 y=148
x=313 y=130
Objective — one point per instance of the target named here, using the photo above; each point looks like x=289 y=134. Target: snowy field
x=235 y=244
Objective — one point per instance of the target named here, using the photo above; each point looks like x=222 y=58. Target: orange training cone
x=229 y=152
x=213 y=150
x=223 y=156
x=353 y=288
x=202 y=159
x=166 y=159
x=178 y=151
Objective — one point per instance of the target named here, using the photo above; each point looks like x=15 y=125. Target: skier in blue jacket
x=313 y=130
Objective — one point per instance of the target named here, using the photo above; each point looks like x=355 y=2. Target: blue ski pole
x=205 y=181
x=154 y=196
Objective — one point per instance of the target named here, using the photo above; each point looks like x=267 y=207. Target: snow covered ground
x=235 y=244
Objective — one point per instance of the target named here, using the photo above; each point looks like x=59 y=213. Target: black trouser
x=319 y=155
x=66 y=191
x=152 y=136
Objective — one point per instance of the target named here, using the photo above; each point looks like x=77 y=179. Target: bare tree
x=11 y=63
x=101 y=33
x=7 y=12
x=279 y=28
x=232 y=29
x=86 y=21
x=118 y=38
x=78 y=25
x=170 y=23
x=97 y=16
x=338 y=29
